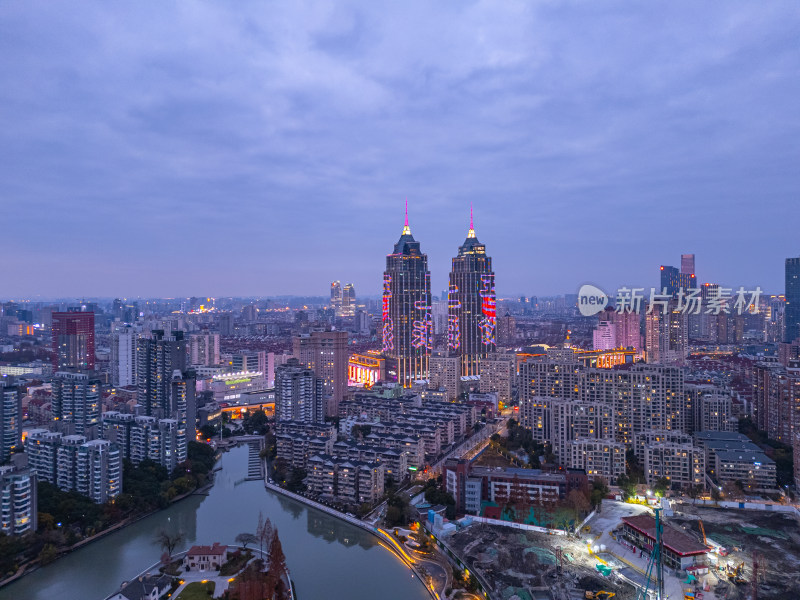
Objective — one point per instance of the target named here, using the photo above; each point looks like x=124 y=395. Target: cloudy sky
x=180 y=148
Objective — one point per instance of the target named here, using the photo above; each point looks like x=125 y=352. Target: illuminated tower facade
x=407 y=318
x=471 y=318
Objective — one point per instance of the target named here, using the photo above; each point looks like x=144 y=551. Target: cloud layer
x=165 y=148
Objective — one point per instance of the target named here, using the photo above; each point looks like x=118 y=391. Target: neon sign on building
x=388 y=334
x=489 y=309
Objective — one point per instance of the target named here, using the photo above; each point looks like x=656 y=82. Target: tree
x=264 y=532
x=48 y=554
x=599 y=491
x=243 y=539
x=169 y=541
x=695 y=491
x=626 y=486
x=661 y=486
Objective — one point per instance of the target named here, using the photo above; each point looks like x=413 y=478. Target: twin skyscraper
x=407 y=317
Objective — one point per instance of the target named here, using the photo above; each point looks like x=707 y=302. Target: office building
x=73 y=340
x=250 y=362
x=10 y=418
x=687 y=264
x=325 y=353
x=407 y=332
x=673 y=280
x=336 y=296
x=792 y=295
x=472 y=305
x=753 y=470
x=76 y=403
x=471 y=485
x=18 y=501
x=299 y=394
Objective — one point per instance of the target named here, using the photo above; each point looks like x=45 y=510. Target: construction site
x=759 y=551
x=705 y=554
x=530 y=565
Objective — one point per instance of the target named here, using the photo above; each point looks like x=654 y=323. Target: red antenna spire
x=406 y=223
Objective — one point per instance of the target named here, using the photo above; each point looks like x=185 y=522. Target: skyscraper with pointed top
x=407 y=319
x=471 y=318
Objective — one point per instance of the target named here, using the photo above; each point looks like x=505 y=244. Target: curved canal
x=328 y=558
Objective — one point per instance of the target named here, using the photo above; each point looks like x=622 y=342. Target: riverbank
x=390 y=543
x=35 y=564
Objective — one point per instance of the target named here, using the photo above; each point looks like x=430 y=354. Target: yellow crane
x=703 y=531
x=602 y=594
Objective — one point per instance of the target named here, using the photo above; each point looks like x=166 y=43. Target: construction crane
x=655 y=566
x=703 y=531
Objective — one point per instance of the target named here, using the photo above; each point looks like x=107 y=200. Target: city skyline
x=607 y=152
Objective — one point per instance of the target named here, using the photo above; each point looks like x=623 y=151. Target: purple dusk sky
x=261 y=148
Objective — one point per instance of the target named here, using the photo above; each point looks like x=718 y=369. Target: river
x=327 y=558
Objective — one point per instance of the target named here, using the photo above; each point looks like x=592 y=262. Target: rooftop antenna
x=471 y=233
x=406 y=228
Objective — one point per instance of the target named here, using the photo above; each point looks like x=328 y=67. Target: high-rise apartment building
x=73 y=340
x=99 y=471
x=666 y=335
x=299 y=394
x=325 y=353
x=123 y=355
x=792 y=294
x=604 y=336
x=159 y=356
x=506 y=330
x=18 y=501
x=76 y=403
x=41 y=446
x=472 y=305
x=497 y=376
x=204 y=349
x=10 y=418
x=445 y=373
x=641 y=397
x=407 y=320
x=92 y=468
